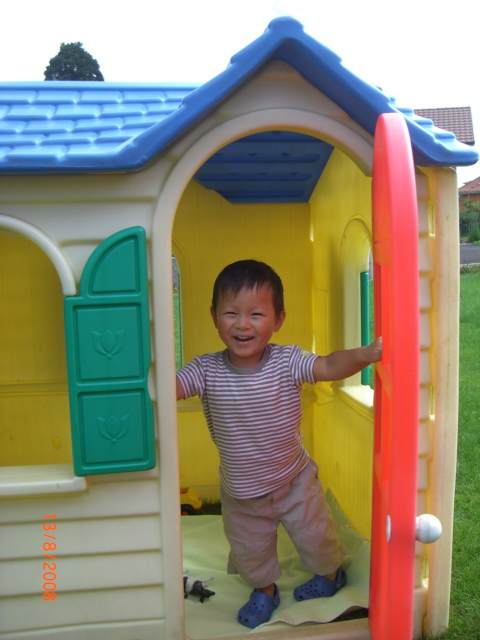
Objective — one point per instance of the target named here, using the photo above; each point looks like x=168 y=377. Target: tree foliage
x=470 y=220
x=72 y=62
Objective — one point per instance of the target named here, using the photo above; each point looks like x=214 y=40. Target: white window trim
x=40 y=479
x=359 y=397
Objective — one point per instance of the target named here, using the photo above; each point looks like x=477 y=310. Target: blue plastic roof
x=71 y=127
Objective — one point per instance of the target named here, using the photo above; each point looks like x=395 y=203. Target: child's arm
x=342 y=364
x=180 y=392
x=190 y=380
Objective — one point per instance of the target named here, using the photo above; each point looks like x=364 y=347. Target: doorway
x=303 y=243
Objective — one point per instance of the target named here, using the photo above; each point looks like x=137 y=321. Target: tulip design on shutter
x=108 y=343
x=113 y=428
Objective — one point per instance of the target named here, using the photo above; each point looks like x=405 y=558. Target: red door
x=395 y=254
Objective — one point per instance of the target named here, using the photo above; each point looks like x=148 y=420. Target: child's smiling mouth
x=243 y=338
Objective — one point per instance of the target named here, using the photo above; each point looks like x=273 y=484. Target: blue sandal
x=320 y=586
x=259 y=608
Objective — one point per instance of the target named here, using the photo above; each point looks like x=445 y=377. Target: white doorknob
x=428 y=528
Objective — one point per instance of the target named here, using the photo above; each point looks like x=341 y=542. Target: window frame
x=355 y=252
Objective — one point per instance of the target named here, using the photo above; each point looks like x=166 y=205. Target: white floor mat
x=205 y=556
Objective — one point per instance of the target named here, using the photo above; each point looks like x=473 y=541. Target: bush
x=474 y=233
x=469 y=218
x=469 y=268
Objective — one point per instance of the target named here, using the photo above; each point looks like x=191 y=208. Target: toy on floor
x=190 y=502
x=196 y=588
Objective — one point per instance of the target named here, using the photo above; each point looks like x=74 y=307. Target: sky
x=422 y=52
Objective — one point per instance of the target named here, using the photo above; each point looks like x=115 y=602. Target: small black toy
x=196 y=588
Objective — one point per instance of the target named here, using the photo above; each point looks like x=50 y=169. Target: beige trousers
x=251 y=529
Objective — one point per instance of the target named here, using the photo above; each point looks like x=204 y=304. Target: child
x=251 y=400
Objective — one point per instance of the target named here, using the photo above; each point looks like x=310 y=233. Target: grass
x=465 y=598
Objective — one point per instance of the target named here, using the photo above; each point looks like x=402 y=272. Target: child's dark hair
x=249 y=274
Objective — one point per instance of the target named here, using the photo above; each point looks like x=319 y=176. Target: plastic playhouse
x=274 y=159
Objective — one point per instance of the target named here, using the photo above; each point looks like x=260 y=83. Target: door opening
x=301 y=241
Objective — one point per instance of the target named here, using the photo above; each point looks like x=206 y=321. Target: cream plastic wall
x=439 y=299
x=110 y=554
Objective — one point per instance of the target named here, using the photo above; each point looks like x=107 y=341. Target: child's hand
x=373 y=352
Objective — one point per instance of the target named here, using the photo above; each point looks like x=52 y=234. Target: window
x=356 y=258
x=34 y=410
x=367 y=318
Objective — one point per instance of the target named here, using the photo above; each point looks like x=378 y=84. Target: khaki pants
x=251 y=528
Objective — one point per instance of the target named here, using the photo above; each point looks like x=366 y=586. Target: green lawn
x=465 y=600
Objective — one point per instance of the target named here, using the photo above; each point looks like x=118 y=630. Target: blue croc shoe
x=259 y=608
x=320 y=586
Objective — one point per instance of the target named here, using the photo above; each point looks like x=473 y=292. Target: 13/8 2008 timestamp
x=49 y=565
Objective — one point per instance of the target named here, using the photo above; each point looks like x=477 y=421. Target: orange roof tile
x=470 y=187
x=458 y=120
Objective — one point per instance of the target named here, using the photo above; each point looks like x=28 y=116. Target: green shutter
x=108 y=354
x=365 y=321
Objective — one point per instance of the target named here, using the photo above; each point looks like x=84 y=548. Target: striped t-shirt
x=253 y=416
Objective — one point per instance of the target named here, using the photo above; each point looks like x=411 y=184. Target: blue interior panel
x=274 y=166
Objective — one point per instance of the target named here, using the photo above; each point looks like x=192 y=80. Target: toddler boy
x=251 y=400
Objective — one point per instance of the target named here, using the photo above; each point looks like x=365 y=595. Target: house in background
x=469 y=192
x=275 y=159
x=458 y=120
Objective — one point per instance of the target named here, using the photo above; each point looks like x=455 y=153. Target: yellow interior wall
x=209 y=233
x=343 y=428
x=34 y=414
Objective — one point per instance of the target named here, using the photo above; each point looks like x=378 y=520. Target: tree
x=470 y=220
x=72 y=62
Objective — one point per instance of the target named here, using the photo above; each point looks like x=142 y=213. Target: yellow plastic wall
x=209 y=233
x=34 y=414
x=343 y=428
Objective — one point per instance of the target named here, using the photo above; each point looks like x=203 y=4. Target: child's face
x=245 y=322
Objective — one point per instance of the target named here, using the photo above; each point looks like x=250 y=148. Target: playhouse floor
x=205 y=556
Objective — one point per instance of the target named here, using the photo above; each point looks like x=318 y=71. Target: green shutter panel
x=108 y=356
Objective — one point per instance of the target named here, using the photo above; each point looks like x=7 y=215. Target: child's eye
x=257 y=314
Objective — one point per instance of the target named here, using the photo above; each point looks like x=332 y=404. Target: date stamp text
x=49 y=564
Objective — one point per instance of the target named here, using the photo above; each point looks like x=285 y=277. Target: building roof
x=458 y=120
x=71 y=127
x=470 y=188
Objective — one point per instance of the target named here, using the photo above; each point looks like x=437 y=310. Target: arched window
x=34 y=411
x=357 y=293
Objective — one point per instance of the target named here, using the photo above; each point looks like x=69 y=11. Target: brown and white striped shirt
x=253 y=415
